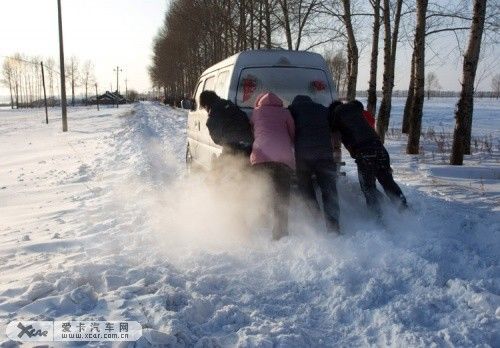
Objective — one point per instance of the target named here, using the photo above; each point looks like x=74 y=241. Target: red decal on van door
x=249 y=86
x=318 y=85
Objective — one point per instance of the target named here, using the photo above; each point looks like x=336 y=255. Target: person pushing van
x=372 y=159
x=314 y=157
x=272 y=154
x=227 y=124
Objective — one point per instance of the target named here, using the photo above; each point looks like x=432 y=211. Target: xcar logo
x=30 y=331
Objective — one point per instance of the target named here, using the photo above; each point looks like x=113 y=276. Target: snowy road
x=101 y=223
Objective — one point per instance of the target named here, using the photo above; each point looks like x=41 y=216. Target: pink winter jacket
x=273 y=130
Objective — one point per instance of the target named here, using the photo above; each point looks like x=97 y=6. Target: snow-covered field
x=439 y=113
x=101 y=223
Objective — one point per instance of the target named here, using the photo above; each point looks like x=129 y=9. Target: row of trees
x=198 y=33
x=22 y=75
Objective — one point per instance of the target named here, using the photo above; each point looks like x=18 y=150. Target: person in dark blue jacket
x=314 y=157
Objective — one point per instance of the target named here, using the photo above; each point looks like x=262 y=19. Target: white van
x=242 y=77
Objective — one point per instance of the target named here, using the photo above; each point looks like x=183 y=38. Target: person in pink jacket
x=272 y=153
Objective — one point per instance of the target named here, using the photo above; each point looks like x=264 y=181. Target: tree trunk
x=259 y=40
x=353 y=52
x=419 y=93
x=303 y=21
x=17 y=96
x=407 y=110
x=268 y=24
x=242 y=27
x=371 y=105
x=72 y=91
x=465 y=105
x=286 y=22
x=390 y=54
x=10 y=91
x=252 y=18
x=383 y=119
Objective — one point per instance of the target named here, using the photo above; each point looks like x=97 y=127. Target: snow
x=103 y=223
x=439 y=114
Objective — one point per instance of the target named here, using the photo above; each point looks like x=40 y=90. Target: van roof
x=270 y=58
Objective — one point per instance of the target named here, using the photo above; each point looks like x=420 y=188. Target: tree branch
x=445 y=29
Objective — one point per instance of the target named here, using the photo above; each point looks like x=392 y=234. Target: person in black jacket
x=227 y=124
x=314 y=157
x=372 y=159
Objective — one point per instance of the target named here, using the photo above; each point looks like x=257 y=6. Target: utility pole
x=126 y=89
x=63 y=77
x=118 y=70
x=44 y=96
x=117 y=88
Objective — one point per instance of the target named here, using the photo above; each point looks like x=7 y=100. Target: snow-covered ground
x=439 y=114
x=101 y=223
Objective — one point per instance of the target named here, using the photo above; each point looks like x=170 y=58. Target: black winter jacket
x=355 y=131
x=312 y=132
x=229 y=126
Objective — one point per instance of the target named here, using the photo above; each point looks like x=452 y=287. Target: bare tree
x=337 y=62
x=285 y=22
x=216 y=29
x=352 y=52
x=87 y=77
x=294 y=17
x=8 y=78
x=495 y=85
x=409 y=98
x=371 y=105
x=419 y=82
x=465 y=105
x=17 y=78
x=432 y=83
x=390 y=46
x=441 y=17
x=133 y=95
x=50 y=64
x=73 y=75
x=267 y=20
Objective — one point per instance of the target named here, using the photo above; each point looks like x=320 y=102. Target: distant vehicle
x=242 y=77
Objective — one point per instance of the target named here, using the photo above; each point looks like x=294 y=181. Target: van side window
x=199 y=89
x=221 y=82
x=209 y=84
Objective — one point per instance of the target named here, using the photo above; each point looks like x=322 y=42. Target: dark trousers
x=374 y=164
x=326 y=176
x=280 y=177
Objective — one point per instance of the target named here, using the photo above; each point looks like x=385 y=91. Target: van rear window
x=285 y=82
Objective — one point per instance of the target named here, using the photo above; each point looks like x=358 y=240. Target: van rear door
x=286 y=82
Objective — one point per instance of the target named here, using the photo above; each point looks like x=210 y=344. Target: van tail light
x=318 y=85
x=249 y=86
